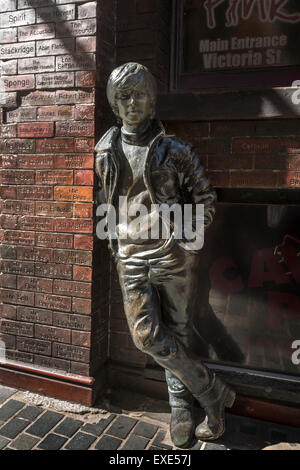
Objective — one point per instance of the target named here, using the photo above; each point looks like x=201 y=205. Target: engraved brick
x=74 y=288
x=19 y=356
x=8 y=5
x=75 y=128
x=63 y=2
x=72 y=321
x=84 y=112
x=17 y=237
x=21 y=115
x=34 y=315
x=17 y=297
x=37 y=98
x=55 y=80
x=17 y=50
x=44 y=255
x=34 y=346
x=17 y=207
x=291 y=162
x=57 y=271
x=41 y=129
x=55 y=113
x=8 y=280
x=86 y=79
x=52 y=363
x=88 y=10
x=8 y=192
x=84 y=145
x=291 y=145
x=82 y=178
x=8 y=252
x=36 y=65
x=56 y=13
x=55 y=47
x=255 y=146
x=9 y=67
x=86 y=61
x=9 y=340
x=81 y=338
x=17 y=146
x=53 y=302
x=289 y=179
x=74 y=225
x=8 y=35
x=35 y=193
x=58 y=209
x=37 y=31
x=34 y=3
x=73 y=257
x=35 y=161
x=36 y=223
x=54 y=177
x=52 y=333
x=8 y=161
x=83 y=242
x=8 y=100
x=17 y=267
x=8 y=221
x=76 y=28
x=86 y=44
x=253 y=178
x=81 y=369
x=17 y=18
x=54 y=240
x=75 y=353
x=74 y=193
x=35 y=284
x=8 y=130
x=17 y=176
x=74 y=96
x=55 y=145
x=82 y=273
x=83 y=210
x=8 y=311
x=74 y=161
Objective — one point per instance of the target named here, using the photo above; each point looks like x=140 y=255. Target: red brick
x=86 y=79
x=9 y=341
x=55 y=80
x=9 y=67
x=76 y=28
x=17 y=176
x=289 y=179
x=17 y=82
x=54 y=177
x=73 y=288
x=86 y=44
x=8 y=280
x=8 y=311
x=52 y=363
x=44 y=255
x=80 y=368
x=74 y=225
x=21 y=115
x=35 y=192
x=38 y=31
x=84 y=112
x=72 y=321
x=81 y=338
x=54 y=209
x=17 y=207
x=83 y=242
x=83 y=160
x=227 y=162
x=8 y=161
x=57 y=271
x=36 y=223
x=291 y=162
x=52 y=333
x=17 y=328
x=54 y=145
x=84 y=145
x=219 y=178
x=268 y=162
x=8 y=131
x=75 y=128
x=16 y=297
x=253 y=179
x=34 y=315
x=291 y=145
x=82 y=273
x=75 y=96
x=54 y=240
x=8 y=221
x=71 y=352
x=84 y=178
x=8 y=192
x=35 y=284
x=88 y=10
x=38 y=98
x=35 y=346
x=255 y=146
x=35 y=161
x=83 y=210
x=83 y=306
x=40 y=129
x=18 y=237
x=53 y=302
x=55 y=113
x=74 y=193
x=83 y=258
x=17 y=267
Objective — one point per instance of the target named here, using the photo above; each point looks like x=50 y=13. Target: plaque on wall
x=231 y=43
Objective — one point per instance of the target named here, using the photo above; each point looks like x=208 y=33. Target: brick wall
x=55 y=309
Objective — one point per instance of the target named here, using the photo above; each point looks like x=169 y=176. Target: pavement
x=120 y=421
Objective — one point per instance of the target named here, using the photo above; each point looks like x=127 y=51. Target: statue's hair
x=118 y=80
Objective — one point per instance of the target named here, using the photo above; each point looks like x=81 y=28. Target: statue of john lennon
x=142 y=165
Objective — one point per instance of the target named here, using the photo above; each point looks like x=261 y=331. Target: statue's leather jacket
x=172 y=174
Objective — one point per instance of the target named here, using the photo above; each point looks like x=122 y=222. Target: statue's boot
x=214 y=401
x=182 y=424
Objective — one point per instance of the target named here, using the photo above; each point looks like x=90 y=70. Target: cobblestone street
x=124 y=421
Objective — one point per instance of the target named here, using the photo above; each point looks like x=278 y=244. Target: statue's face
x=134 y=104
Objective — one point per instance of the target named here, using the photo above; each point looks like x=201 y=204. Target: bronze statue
x=140 y=164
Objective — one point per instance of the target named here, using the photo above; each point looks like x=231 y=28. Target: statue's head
x=131 y=92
